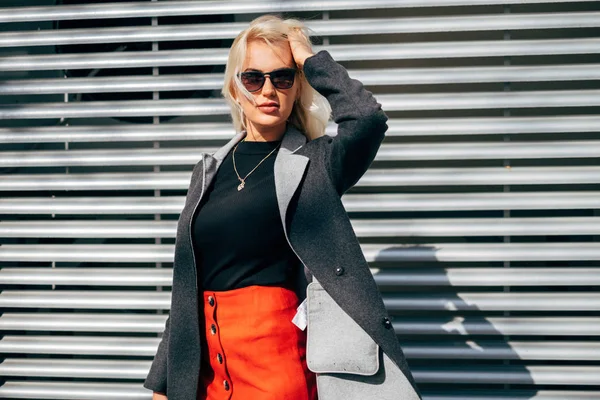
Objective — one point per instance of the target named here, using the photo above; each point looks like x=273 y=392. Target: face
x=261 y=117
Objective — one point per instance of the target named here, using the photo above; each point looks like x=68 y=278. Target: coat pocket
x=335 y=342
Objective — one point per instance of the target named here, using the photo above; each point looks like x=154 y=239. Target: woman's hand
x=300 y=50
x=158 y=396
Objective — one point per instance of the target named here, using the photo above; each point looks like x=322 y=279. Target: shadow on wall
x=451 y=346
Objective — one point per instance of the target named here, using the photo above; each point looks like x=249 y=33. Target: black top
x=238 y=236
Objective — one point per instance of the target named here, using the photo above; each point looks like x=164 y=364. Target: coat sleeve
x=360 y=119
x=157 y=376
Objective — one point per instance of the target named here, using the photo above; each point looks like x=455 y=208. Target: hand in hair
x=300 y=45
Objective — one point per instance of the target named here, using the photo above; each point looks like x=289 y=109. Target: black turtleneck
x=238 y=235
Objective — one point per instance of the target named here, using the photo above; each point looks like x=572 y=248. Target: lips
x=271 y=104
x=269 y=108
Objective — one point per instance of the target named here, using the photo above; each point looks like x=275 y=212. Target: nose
x=268 y=89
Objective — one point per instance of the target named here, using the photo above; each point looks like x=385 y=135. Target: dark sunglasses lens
x=283 y=79
x=252 y=80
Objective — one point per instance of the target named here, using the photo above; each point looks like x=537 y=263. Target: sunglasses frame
x=264 y=76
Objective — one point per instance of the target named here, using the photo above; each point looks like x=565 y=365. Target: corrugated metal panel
x=479 y=217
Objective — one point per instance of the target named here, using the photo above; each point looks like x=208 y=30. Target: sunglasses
x=282 y=78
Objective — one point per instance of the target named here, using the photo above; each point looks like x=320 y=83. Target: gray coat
x=310 y=178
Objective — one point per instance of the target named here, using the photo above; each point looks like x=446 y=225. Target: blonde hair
x=311 y=111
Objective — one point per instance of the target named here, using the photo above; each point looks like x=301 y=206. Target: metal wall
x=480 y=216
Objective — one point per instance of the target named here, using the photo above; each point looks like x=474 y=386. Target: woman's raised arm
x=361 y=121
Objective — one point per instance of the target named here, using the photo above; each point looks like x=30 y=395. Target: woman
x=262 y=219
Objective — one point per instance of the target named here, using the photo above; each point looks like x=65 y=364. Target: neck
x=265 y=134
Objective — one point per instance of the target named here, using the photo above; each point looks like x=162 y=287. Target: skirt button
x=211 y=300
x=213 y=329
x=220 y=358
x=226 y=384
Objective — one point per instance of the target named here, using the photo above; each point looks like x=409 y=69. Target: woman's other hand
x=300 y=49
x=158 y=396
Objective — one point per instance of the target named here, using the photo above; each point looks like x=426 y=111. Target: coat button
x=213 y=329
x=211 y=300
x=220 y=358
x=226 y=384
x=387 y=323
x=339 y=271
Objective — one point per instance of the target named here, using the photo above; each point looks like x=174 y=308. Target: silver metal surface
x=80 y=299
x=408 y=102
x=171 y=8
x=372 y=77
x=342 y=27
x=224 y=131
x=416 y=227
x=392 y=51
x=376 y=202
x=105 y=276
x=86 y=322
x=474 y=252
x=387 y=152
x=479 y=217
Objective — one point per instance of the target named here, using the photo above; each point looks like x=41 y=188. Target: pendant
x=241 y=186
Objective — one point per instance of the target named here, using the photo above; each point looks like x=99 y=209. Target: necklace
x=243 y=180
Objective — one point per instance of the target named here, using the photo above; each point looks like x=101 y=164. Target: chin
x=269 y=121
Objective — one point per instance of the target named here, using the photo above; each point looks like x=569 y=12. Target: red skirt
x=251 y=349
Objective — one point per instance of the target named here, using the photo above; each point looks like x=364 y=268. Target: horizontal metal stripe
x=390 y=102
x=171 y=8
x=118 y=253
x=80 y=299
x=375 y=77
x=511 y=395
x=449 y=252
x=55 y=367
x=87 y=276
x=383 y=202
x=121 y=133
x=126 y=391
x=414 y=227
x=126 y=369
x=388 y=51
x=139 y=156
x=82 y=345
x=514 y=276
x=530 y=374
x=224 y=131
x=425 y=252
x=97 y=205
x=556 y=301
x=93 y=181
x=372 y=178
x=452 y=326
x=472 y=252
x=332 y=27
x=83 y=322
x=483 y=151
x=493 y=326
x=30 y=389
x=556 y=276
x=503 y=350
x=149 y=300
x=453 y=350
x=114 y=109
x=479 y=176
x=464 y=227
x=387 y=152
x=376 y=202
